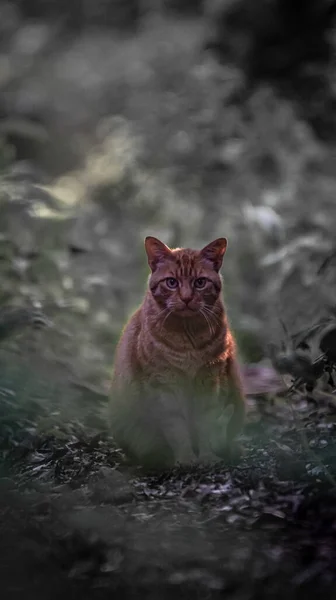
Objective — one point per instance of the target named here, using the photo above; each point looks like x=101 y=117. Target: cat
x=176 y=394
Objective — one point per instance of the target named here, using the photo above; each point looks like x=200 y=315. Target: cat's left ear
x=214 y=252
x=156 y=252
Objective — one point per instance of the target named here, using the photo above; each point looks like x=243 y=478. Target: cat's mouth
x=186 y=312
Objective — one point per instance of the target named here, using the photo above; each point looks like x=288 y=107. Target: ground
x=74 y=512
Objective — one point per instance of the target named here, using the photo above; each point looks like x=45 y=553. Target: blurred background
x=183 y=119
x=186 y=120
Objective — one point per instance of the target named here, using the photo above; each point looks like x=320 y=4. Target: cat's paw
x=236 y=452
x=231 y=454
x=186 y=459
x=208 y=458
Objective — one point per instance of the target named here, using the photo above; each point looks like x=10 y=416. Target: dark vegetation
x=186 y=120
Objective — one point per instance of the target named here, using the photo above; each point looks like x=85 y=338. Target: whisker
x=215 y=319
x=159 y=314
x=165 y=319
x=211 y=313
x=208 y=322
x=212 y=330
x=210 y=309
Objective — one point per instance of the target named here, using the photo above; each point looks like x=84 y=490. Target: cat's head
x=185 y=281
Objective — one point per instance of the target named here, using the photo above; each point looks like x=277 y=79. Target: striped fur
x=176 y=390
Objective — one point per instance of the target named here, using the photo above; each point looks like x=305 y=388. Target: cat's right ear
x=156 y=252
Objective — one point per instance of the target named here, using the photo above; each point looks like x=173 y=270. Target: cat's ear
x=214 y=252
x=156 y=252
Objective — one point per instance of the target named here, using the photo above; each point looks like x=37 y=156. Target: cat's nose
x=186 y=299
x=186 y=295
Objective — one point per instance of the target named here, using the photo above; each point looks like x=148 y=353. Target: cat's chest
x=181 y=357
x=189 y=372
x=187 y=363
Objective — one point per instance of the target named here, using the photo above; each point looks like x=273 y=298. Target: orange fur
x=175 y=369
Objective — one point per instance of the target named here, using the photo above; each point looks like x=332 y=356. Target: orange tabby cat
x=176 y=392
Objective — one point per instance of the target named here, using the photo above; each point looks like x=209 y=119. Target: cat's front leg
x=177 y=435
x=213 y=434
x=175 y=427
x=206 y=454
x=205 y=414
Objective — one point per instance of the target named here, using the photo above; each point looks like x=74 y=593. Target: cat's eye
x=200 y=282
x=172 y=283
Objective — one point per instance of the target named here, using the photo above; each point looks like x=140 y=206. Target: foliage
x=289 y=43
x=76 y=14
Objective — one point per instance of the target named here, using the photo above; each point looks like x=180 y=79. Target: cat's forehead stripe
x=185 y=262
